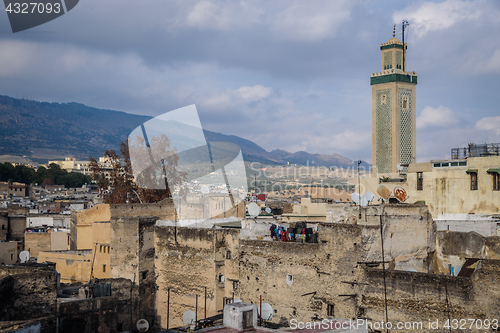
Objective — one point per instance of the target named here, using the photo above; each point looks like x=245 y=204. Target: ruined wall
x=301 y=281
x=453 y=248
x=164 y=209
x=420 y=297
x=27 y=292
x=190 y=260
x=408 y=231
x=103 y=314
x=132 y=257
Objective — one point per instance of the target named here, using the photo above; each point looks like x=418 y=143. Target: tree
x=117 y=182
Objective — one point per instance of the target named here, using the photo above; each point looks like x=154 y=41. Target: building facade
x=393 y=110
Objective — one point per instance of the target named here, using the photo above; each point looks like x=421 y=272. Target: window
x=144 y=275
x=473 y=181
x=496 y=181
x=104 y=268
x=3 y=227
x=289 y=280
x=228 y=300
x=228 y=254
x=329 y=310
x=384 y=98
x=235 y=285
x=405 y=102
x=420 y=181
x=221 y=278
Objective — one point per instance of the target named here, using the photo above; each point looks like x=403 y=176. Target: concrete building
x=465 y=186
x=8 y=189
x=46 y=239
x=70 y=164
x=393 y=110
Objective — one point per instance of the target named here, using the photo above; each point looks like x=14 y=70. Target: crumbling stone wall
x=420 y=297
x=452 y=248
x=303 y=281
x=27 y=291
x=132 y=257
x=113 y=313
x=190 y=260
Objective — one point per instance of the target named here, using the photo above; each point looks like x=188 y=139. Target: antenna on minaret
x=404 y=25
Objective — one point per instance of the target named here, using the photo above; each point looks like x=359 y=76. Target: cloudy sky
x=288 y=74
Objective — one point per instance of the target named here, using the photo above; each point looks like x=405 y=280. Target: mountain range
x=41 y=131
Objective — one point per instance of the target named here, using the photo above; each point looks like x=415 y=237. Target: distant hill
x=305 y=158
x=42 y=131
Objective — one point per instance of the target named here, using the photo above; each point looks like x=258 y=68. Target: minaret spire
x=394 y=31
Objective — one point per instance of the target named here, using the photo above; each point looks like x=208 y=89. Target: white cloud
x=231 y=98
x=255 y=93
x=489 y=124
x=430 y=16
x=292 y=19
x=441 y=116
x=311 y=20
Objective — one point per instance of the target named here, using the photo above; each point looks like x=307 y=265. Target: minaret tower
x=393 y=110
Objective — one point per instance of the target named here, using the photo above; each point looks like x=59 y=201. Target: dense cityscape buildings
x=175 y=228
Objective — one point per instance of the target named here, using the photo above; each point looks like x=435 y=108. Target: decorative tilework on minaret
x=393 y=110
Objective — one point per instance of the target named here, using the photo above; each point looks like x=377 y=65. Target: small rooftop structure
x=476 y=150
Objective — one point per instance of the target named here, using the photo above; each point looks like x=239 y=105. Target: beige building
x=393 y=110
x=49 y=240
x=307 y=211
x=466 y=186
x=8 y=253
x=70 y=164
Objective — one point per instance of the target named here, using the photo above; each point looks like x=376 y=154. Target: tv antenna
x=404 y=24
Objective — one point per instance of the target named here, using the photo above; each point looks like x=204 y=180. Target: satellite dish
x=369 y=196
x=411 y=270
x=24 y=256
x=362 y=201
x=205 y=189
x=253 y=209
x=232 y=219
x=355 y=197
x=399 y=167
x=142 y=325
x=383 y=192
x=268 y=210
x=267 y=311
x=400 y=194
x=237 y=300
x=189 y=317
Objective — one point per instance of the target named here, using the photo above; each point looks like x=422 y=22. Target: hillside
x=43 y=130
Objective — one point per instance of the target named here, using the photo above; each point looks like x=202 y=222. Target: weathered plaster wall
x=313 y=271
x=27 y=292
x=190 y=260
